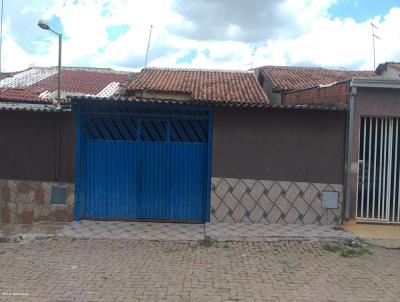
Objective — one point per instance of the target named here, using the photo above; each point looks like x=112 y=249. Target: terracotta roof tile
x=38 y=84
x=202 y=85
x=285 y=78
x=4 y=75
x=15 y=94
x=81 y=81
x=383 y=66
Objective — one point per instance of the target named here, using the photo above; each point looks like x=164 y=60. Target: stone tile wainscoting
x=262 y=201
x=32 y=201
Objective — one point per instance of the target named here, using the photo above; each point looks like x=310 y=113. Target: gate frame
x=77 y=106
x=372 y=220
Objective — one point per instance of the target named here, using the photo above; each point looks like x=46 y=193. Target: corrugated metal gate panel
x=153 y=180
x=144 y=163
x=110 y=178
x=187 y=180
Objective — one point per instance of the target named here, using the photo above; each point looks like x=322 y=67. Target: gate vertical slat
x=380 y=170
x=369 y=164
x=389 y=168
x=363 y=169
x=398 y=187
x=374 y=181
x=398 y=195
x=395 y=165
x=383 y=210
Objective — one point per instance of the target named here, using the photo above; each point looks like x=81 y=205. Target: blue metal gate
x=143 y=163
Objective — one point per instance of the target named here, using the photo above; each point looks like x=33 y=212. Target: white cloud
x=313 y=38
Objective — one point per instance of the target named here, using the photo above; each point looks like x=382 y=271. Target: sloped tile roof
x=383 y=66
x=39 y=84
x=15 y=94
x=286 y=78
x=81 y=81
x=202 y=85
x=4 y=75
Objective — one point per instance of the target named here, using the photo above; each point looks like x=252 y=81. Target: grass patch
x=346 y=251
x=332 y=247
x=212 y=244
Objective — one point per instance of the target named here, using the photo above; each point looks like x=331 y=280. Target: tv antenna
x=148 y=46
x=252 y=59
x=373 y=26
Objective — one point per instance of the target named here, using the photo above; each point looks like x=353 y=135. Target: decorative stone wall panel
x=30 y=202
x=263 y=201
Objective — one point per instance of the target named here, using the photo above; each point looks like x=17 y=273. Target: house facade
x=277 y=81
x=37 y=170
x=175 y=145
x=372 y=165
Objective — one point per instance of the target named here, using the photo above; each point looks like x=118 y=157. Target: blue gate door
x=145 y=167
x=153 y=169
x=188 y=170
x=110 y=179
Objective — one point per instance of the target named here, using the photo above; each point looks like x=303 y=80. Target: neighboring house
x=39 y=84
x=373 y=160
x=38 y=141
x=389 y=70
x=174 y=145
x=277 y=80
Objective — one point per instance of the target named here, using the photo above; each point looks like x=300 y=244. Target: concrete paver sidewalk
x=133 y=230
x=385 y=235
x=274 y=232
x=10 y=232
x=179 y=232
x=103 y=270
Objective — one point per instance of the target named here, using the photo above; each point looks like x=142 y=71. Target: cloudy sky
x=227 y=34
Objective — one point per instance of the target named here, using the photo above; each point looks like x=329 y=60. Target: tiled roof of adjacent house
x=15 y=94
x=383 y=67
x=214 y=86
x=286 y=78
x=39 y=84
x=4 y=75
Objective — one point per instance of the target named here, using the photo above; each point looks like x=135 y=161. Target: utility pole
x=373 y=26
x=148 y=46
x=1 y=31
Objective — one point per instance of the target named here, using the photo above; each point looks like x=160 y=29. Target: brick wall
x=334 y=95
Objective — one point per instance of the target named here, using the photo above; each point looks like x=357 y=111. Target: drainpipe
x=349 y=150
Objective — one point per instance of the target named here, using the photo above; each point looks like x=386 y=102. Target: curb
x=20 y=237
x=350 y=240
x=11 y=239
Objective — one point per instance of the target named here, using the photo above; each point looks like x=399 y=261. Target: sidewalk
x=384 y=235
x=175 y=231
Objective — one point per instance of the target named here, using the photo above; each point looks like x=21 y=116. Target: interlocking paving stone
x=65 y=269
x=225 y=231
x=133 y=230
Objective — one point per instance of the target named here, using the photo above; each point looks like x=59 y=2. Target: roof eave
x=375 y=82
x=260 y=104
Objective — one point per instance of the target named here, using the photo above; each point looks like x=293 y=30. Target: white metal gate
x=379 y=180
